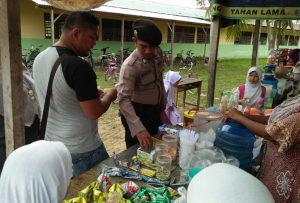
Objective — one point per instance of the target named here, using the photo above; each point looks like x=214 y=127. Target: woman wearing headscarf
x=280 y=170
x=293 y=57
x=252 y=93
x=171 y=115
x=37 y=173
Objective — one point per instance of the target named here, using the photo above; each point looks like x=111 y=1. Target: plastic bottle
x=223 y=104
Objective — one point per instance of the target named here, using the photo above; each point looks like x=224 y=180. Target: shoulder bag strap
x=47 y=100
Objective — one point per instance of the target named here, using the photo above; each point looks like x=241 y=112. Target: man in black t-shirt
x=76 y=103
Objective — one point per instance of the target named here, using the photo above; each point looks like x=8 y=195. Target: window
x=111 y=30
x=293 y=40
x=182 y=34
x=283 y=40
x=263 y=38
x=58 y=25
x=245 y=38
x=203 y=35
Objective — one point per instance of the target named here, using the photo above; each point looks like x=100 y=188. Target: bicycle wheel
x=178 y=61
x=188 y=61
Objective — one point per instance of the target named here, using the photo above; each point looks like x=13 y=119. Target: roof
x=143 y=8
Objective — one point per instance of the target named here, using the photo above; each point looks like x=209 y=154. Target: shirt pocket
x=147 y=78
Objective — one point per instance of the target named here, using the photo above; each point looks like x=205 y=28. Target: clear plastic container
x=160 y=148
x=163 y=167
x=172 y=142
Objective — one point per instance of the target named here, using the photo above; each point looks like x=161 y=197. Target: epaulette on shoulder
x=133 y=58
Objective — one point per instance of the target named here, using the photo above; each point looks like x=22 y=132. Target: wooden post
x=214 y=36
x=255 y=43
x=172 y=44
x=122 y=39
x=52 y=26
x=12 y=74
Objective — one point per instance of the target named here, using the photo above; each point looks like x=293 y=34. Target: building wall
x=32 y=33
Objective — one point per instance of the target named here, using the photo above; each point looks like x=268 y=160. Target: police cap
x=147 y=31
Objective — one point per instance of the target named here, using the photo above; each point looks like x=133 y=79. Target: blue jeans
x=84 y=161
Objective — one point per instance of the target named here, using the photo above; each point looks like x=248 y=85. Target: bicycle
x=190 y=58
x=179 y=59
x=104 y=58
x=111 y=71
x=126 y=53
x=90 y=59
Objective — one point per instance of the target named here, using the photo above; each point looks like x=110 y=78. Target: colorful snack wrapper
x=130 y=186
x=75 y=200
x=155 y=181
x=126 y=164
x=144 y=162
x=147 y=172
x=104 y=181
x=152 y=195
x=124 y=173
x=87 y=192
x=92 y=194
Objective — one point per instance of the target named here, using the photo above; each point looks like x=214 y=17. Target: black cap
x=147 y=31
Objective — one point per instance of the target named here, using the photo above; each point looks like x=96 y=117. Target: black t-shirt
x=79 y=75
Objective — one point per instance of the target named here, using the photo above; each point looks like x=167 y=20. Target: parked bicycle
x=90 y=59
x=179 y=59
x=126 y=53
x=104 y=58
x=111 y=70
x=190 y=58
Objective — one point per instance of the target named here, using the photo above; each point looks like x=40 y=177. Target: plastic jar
x=172 y=142
x=163 y=167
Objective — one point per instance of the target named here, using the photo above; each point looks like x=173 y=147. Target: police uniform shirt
x=141 y=81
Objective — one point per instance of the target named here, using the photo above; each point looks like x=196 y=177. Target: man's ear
x=75 y=32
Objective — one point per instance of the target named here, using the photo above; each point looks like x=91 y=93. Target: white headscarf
x=171 y=78
x=253 y=91
x=37 y=173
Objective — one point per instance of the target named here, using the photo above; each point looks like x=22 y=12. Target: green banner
x=256 y=12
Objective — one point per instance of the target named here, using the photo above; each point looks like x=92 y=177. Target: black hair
x=80 y=18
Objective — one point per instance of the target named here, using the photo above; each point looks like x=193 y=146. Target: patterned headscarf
x=286 y=108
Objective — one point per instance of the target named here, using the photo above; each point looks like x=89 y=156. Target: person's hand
x=144 y=139
x=233 y=114
x=112 y=92
x=100 y=93
x=243 y=101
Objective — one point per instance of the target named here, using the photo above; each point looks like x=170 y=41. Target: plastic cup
x=172 y=142
x=163 y=167
x=185 y=151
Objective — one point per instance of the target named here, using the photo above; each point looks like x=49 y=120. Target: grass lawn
x=230 y=74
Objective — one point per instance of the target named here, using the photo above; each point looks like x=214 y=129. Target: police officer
x=141 y=90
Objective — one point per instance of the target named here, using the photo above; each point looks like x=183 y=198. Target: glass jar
x=163 y=167
x=172 y=142
x=159 y=149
